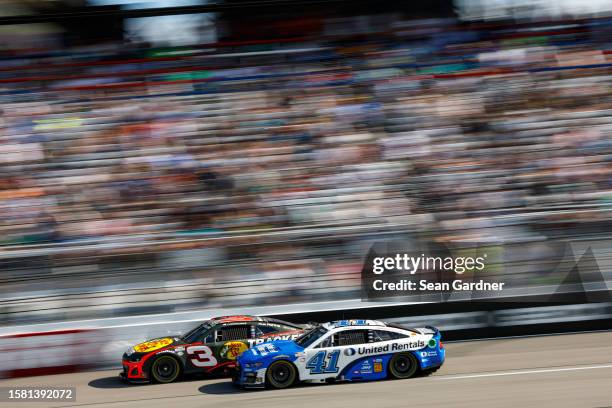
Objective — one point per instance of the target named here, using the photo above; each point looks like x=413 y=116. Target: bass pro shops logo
x=153 y=345
x=232 y=349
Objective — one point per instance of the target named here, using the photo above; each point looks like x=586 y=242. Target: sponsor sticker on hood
x=153 y=345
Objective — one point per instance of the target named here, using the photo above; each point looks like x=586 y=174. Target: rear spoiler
x=422 y=330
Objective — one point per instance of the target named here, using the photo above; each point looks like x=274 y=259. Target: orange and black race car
x=209 y=348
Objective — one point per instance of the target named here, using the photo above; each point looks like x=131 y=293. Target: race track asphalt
x=572 y=370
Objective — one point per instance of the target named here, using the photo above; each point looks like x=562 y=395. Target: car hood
x=272 y=350
x=156 y=344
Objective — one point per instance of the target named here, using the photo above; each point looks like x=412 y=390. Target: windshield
x=310 y=337
x=196 y=333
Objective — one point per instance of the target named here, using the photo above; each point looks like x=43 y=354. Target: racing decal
x=153 y=345
x=344 y=323
x=412 y=345
x=232 y=349
x=378 y=365
x=201 y=356
x=318 y=364
x=264 y=349
x=366 y=367
x=301 y=356
x=273 y=337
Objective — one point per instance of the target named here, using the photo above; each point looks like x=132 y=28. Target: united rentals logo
x=411 y=345
x=350 y=351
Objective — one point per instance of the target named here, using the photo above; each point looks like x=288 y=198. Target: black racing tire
x=281 y=374
x=403 y=365
x=165 y=369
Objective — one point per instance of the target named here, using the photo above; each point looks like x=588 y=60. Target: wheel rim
x=165 y=369
x=280 y=373
x=402 y=365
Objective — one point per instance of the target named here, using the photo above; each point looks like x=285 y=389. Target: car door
x=230 y=341
x=328 y=357
x=218 y=347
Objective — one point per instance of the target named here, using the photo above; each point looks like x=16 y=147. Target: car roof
x=234 y=318
x=250 y=318
x=353 y=322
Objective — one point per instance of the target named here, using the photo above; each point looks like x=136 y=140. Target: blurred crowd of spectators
x=488 y=132
x=446 y=130
x=442 y=129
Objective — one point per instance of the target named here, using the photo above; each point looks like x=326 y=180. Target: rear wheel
x=403 y=365
x=281 y=374
x=165 y=369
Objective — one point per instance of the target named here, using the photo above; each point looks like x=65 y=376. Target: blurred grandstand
x=136 y=178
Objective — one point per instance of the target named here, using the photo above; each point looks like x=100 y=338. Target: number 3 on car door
x=201 y=356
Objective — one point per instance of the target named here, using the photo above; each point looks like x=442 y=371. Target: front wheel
x=281 y=374
x=165 y=369
x=403 y=365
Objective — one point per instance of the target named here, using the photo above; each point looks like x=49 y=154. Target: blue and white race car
x=346 y=350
